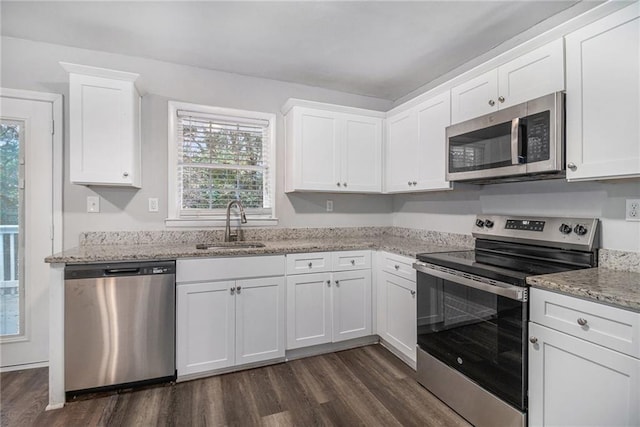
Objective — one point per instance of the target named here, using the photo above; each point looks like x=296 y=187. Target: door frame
x=57 y=177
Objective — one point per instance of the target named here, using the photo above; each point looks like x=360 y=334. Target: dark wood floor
x=364 y=386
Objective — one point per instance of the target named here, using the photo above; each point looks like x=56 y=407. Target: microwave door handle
x=516 y=146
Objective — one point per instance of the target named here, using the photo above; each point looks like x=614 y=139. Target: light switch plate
x=153 y=204
x=93 y=204
x=632 y=212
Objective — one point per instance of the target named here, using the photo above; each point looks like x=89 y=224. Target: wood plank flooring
x=367 y=386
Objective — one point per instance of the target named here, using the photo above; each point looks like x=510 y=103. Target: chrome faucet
x=228 y=237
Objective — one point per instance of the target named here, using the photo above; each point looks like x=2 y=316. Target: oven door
x=477 y=327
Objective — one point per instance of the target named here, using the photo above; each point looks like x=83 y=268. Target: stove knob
x=488 y=223
x=479 y=223
x=565 y=229
x=580 y=230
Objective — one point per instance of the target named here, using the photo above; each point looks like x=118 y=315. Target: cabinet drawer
x=607 y=326
x=314 y=262
x=398 y=265
x=208 y=269
x=351 y=260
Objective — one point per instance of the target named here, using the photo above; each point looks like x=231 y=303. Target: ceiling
x=383 y=49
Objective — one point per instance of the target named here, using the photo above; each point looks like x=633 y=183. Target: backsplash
x=619 y=260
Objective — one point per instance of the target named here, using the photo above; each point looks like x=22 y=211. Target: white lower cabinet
x=224 y=323
x=331 y=306
x=574 y=378
x=396 y=304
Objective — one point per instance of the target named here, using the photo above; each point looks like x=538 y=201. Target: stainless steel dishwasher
x=119 y=324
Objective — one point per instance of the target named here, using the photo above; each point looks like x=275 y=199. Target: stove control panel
x=567 y=233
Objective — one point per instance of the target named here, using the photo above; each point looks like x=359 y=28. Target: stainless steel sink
x=230 y=245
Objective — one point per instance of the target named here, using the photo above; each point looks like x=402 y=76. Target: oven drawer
x=601 y=324
x=398 y=265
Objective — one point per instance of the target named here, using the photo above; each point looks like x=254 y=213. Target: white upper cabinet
x=603 y=98
x=332 y=148
x=529 y=76
x=104 y=120
x=415 y=149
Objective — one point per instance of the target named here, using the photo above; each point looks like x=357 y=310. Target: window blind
x=220 y=159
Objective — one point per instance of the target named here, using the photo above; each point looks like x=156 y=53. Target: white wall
x=34 y=66
x=454 y=211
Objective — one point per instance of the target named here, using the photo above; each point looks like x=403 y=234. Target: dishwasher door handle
x=121 y=271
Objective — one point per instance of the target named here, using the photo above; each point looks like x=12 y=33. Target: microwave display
x=537 y=137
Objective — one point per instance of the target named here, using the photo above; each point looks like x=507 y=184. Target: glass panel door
x=486 y=148
x=11 y=219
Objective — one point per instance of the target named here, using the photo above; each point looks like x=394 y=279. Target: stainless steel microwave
x=522 y=142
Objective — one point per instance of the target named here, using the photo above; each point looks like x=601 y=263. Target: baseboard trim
x=11 y=368
x=316 y=350
x=400 y=355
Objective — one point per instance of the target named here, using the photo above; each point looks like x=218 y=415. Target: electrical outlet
x=632 y=213
x=93 y=204
x=329 y=205
x=153 y=204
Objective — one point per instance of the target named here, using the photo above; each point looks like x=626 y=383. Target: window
x=217 y=155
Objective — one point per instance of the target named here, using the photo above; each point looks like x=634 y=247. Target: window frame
x=173 y=203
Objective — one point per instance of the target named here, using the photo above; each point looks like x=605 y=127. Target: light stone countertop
x=613 y=287
x=167 y=251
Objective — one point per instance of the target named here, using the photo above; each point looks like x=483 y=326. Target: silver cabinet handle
x=572 y=166
x=409 y=183
x=338 y=184
x=310 y=264
x=238 y=289
x=413 y=293
x=492 y=102
x=328 y=282
x=353 y=262
x=582 y=322
x=397 y=267
x=415 y=182
x=125 y=174
x=501 y=99
x=337 y=283
x=344 y=184
x=533 y=340
x=233 y=289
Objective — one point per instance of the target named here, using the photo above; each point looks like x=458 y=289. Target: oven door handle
x=498 y=288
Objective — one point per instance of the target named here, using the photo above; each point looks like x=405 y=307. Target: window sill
x=218 y=222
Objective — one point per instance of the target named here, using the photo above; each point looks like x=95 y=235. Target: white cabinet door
x=399 y=317
x=104 y=123
x=535 y=74
x=434 y=116
x=351 y=304
x=316 y=134
x=576 y=383
x=603 y=97
x=205 y=316
x=475 y=97
x=308 y=310
x=361 y=153
x=401 y=158
x=259 y=319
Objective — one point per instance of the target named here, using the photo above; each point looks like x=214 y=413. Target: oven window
x=482 y=149
x=475 y=332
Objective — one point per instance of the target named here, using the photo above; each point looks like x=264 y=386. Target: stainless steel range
x=473 y=311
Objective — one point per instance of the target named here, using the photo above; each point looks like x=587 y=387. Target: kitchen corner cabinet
x=104 y=125
x=534 y=74
x=396 y=304
x=584 y=366
x=229 y=322
x=333 y=149
x=603 y=98
x=415 y=149
x=329 y=306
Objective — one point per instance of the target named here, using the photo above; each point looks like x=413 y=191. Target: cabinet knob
x=582 y=322
x=338 y=184
x=409 y=183
x=328 y=282
x=344 y=184
x=337 y=283
x=413 y=293
x=533 y=340
x=415 y=183
x=238 y=289
x=233 y=289
x=397 y=267
x=492 y=102
x=572 y=166
x=310 y=264
x=501 y=99
x=353 y=262
x=125 y=174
